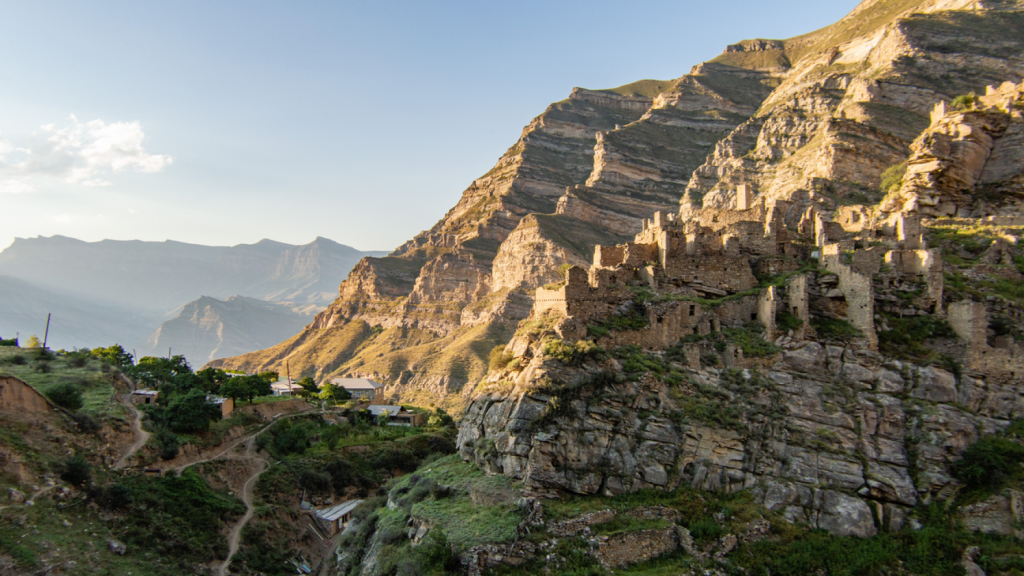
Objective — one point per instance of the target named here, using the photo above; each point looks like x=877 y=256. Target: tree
x=76 y=471
x=309 y=388
x=33 y=342
x=66 y=396
x=384 y=417
x=191 y=413
x=259 y=385
x=235 y=388
x=328 y=391
x=211 y=379
x=114 y=355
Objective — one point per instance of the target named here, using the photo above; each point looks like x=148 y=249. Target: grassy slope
x=169 y=525
x=96 y=385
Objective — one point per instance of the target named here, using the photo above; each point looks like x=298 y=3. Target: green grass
x=95 y=384
x=646 y=88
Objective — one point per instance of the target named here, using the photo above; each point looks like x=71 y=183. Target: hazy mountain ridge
x=120 y=291
x=209 y=328
x=161 y=276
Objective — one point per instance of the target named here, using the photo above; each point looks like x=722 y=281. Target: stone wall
x=858 y=290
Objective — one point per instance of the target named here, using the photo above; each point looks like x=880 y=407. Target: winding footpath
x=235 y=536
x=249 y=454
x=141 y=436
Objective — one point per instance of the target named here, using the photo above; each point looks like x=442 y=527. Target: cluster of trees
x=183 y=406
x=248 y=387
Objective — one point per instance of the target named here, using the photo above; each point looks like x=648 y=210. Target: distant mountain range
x=198 y=300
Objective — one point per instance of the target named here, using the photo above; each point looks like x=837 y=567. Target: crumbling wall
x=730 y=273
x=766 y=309
x=858 y=290
x=970 y=321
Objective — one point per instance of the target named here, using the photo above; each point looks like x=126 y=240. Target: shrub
x=785 y=321
x=76 y=360
x=498 y=358
x=750 y=341
x=438 y=554
x=989 y=463
x=906 y=336
x=12 y=342
x=86 y=423
x=965 y=102
x=574 y=354
x=66 y=396
x=315 y=482
x=112 y=497
x=17 y=360
x=76 y=471
x=168 y=444
x=830 y=328
x=191 y=413
x=893 y=177
x=44 y=368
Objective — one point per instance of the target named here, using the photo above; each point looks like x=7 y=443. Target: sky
x=227 y=122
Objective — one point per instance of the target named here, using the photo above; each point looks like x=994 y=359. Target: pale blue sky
x=361 y=122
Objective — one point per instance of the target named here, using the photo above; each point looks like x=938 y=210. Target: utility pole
x=135 y=357
x=288 y=374
x=168 y=352
x=47 y=333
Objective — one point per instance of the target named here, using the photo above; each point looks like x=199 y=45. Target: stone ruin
x=703 y=274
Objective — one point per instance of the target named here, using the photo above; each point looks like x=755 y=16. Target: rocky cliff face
x=814 y=121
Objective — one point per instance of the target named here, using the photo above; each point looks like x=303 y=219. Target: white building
x=359 y=388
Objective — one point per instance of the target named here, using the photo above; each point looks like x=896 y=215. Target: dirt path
x=141 y=436
x=235 y=536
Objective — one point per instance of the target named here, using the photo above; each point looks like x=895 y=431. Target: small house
x=145 y=396
x=397 y=415
x=334 y=519
x=227 y=405
x=284 y=387
x=360 y=388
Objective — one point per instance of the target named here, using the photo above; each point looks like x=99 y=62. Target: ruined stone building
x=728 y=267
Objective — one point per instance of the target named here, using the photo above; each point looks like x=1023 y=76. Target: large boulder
x=844 y=515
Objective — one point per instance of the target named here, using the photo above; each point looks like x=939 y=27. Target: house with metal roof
x=334 y=519
x=360 y=388
x=284 y=387
x=397 y=415
x=145 y=396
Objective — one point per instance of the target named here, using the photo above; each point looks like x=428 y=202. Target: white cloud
x=83 y=153
x=15 y=186
x=61 y=218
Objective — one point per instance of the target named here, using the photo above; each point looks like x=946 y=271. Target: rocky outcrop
x=850 y=108
x=964 y=152
x=820 y=425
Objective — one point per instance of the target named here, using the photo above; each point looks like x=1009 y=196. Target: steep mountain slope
x=815 y=120
x=208 y=328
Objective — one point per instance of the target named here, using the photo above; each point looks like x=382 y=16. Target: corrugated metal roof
x=376 y=410
x=357 y=383
x=338 y=510
x=146 y=392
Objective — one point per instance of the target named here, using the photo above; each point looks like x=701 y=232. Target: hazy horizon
x=225 y=124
